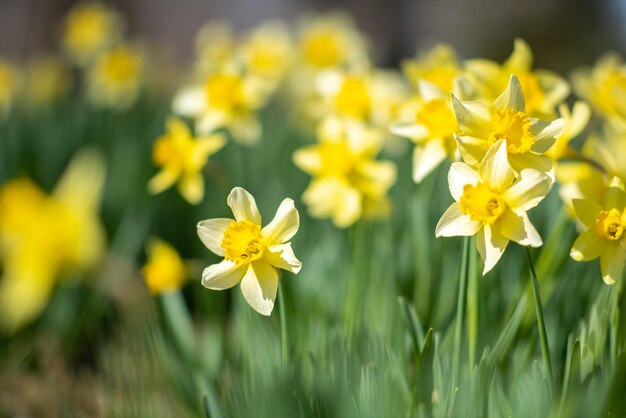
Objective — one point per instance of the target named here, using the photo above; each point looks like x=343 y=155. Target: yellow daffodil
x=164 y=271
x=181 y=158
x=575 y=121
x=492 y=202
x=608 y=151
x=115 y=77
x=604 y=85
x=9 y=85
x=348 y=183
x=215 y=47
x=268 y=51
x=579 y=180
x=330 y=40
x=89 y=28
x=438 y=66
x=227 y=99
x=42 y=237
x=47 y=79
x=604 y=236
x=251 y=252
x=432 y=130
x=527 y=138
x=542 y=89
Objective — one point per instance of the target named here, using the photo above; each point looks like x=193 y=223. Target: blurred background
x=562 y=33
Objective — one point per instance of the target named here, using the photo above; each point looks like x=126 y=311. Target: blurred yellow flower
x=575 y=121
x=492 y=202
x=542 y=89
x=432 y=130
x=268 y=51
x=227 y=99
x=330 y=40
x=604 y=85
x=579 y=180
x=9 y=85
x=604 y=237
x=252 y=253
x=527 y=139
x=164 y=271
x=215 y=47
x=43 y=237
x=47 y=78
x=348 y=183
x=115 y=77
x=607 y=150
x=181 y=158
x=438 y=66
x=89 y=27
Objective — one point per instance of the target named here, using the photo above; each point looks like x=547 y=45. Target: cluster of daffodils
x=44 y=237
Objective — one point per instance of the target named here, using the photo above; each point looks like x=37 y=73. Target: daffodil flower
x=251 y=252
x=215 y=47
x=575 y=121
x=182 y=158
x=492 y=202
x=438 y=66
x=604 y=236
x=542 y=89
x=347 y=178
x=165 y=271
x=268 y=51
x=432 y=130
x=527 y=139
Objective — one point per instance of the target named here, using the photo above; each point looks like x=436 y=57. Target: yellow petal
x=223 y=275
x=587 y=211
x=308 y=159
x=528 y=191
x=588 y=246
x=521 y=59
x=495 y=169
x=455 y=223
x=191 y=187
x=511 y=97
x=472 y=117
x=163 y=180
x=243 y=206
x=259 y=286
x=612 y=263
x=282 y=256
x=427 y=157
x=211 y=233
x=284 y=225
x=517 y=227
x=459 y=175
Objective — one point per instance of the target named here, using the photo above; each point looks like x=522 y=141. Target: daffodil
x=604 y=235
x=115 y=77
x=492 y=202
x=527 y=139
x=438 y=66
x=9 y=85
x=215 y=47
x=181 y=158
x=604 y=85
x=47 y=78
x=432 y=130
x=227 y=99
x=164 y=271
x=89 y=27
x=251 y=252
x=45 y=236
x=579 y=180
x=268 y=50
x=348 y=182
x=542 y=89
x=575 y=121
x=607 y=150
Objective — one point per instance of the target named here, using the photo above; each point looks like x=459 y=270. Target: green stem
x=460 y=310
x=472 y=303
x=541 y=325
x=615 y=316
x=283 y=325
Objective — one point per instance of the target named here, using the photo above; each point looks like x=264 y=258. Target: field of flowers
x=291 y=231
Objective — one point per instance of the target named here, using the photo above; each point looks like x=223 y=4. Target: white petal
x=495 y=169
x=210 y=122
x=426 y=158
x=529 y=190
x=243 y=206
x=546 y=132
x=189 y=101
x=491 y=246
x=284 y=225
x=472 y=117
x=211 y=233
x=429 y=91
x=411 y=130
x=282 y=256
x=259 y=286
x=517 y=227
x=223 y=275
x=455 y=223
x=459 y=175
x=308 y=159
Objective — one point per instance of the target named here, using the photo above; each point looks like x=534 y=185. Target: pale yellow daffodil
x=181 y=158
x=215 y=47
x=268 y=50
x=527 y=139
x=604 y=237
x=432 y=130
x=348 y=182
x=251 y=252
x=543 y=90
x=164 y=270
x=575 y=121
x=491 y=203
x=438 y=66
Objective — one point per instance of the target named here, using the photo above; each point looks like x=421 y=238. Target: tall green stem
x=283 y=325
x=541 y=325
x=472 y=303
x=460 y=311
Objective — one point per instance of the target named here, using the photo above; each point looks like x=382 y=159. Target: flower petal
x=189 y=101
x=588 y=246
x=163 y=180
x=512 y=97
x=411 y=130
x=259 y=286
x=517 y=227
x=459 y=175
x=308 y=159
x=427 y=157
x=455 y=223
x=531 y=160
x=528 y=191
x=211 y=233
x=612 y=263
x=546 y=133
x=243 y=206
x=191 y=187
x=282 y=256
x=284 y=225
x=587 y=211
x=495 y=168
x=222 y=275
x=493 y=244
x=472 y=117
